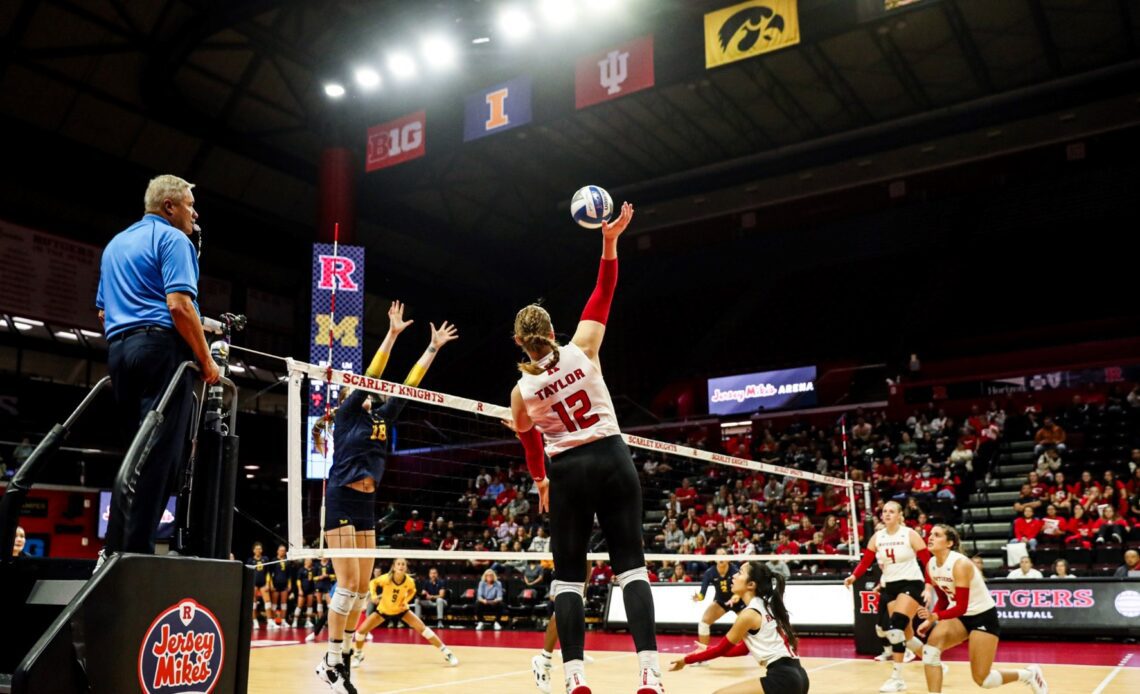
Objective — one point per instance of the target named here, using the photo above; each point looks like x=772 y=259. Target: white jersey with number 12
x=569 y=402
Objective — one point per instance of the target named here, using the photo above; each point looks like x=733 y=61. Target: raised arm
x=592 y=326
x=396 y=325
x=439 y=337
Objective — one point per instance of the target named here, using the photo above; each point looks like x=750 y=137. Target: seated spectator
x=1131 y=566
x=1026 y=500
x=449 y=543
x=520 y=505
x=494 y=489
x=862 y=431
x=433 y=594
x=653 y=467
x=979 y=564
x=1049 y=463
x=1025 y=570
x=534 y=576
x=691 y=524
x=678 y=574
x=907 y=446
x=785 y=544
x=1050 y=435
x=1027 y=528
x=817 y=545
x=507 y=529
x=1053 y=525
x=686 y=494
x=962 y=454
x=1081 y=528
x=22 y=540
x=479 y=563
x=832 y=533
x=923 y=526
x=506 y=496
x=741 y=544
x=1081 y=486
x=673 y=505
x=1061 y=497
x=925 y=485
x=489 y=600
x=1037 y=488
x=414 y=527
x=494 y=519
x=1112 y=528
x=710 y=518
x=773 y=491
x=673 y=537
x=1061 y=569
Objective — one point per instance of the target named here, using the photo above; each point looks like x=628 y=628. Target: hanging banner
x=750 y=29
x=614 y=72
x=345 y=272
x=498 y=108
x=396 y=141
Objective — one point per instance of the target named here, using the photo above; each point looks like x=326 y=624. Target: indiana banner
x=345 y=272
x=498 y=108
x=750 y=29
x=614 y=72
x=396 y=141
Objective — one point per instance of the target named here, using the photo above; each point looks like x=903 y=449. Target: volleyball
x=591 y=206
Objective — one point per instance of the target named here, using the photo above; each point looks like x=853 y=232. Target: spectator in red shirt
x=678 y=574
x=601 y=574
x=819 y=546
x=925 y=485
x=1053 y=524
x=495 y=519
x=794 y=517
x=1037 y=488
x=806 y=532
x=506 y=496
x=785 y=544
x=1078 y=488
x=1050 y=435
x=686 y=495
x=1027 y=528
x=1081 y=528
x=832 y=533
x=414 y=525
x=710 y=518
x=923 y=526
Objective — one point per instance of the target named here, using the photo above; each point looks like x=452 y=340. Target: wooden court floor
x=393 y=668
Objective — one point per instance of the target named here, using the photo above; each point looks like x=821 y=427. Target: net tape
x=300 y=369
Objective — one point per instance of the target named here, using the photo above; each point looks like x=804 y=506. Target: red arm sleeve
x=941 y=602
x=598 y=306
x=924 y=561
x=864 y=564
x=737 y=650
x=722 y=648
x=535 y=456
x=961 y=599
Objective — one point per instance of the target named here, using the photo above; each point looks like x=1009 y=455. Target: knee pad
x=915 y=644
x=992 y=680
x=428 y=634
x=703 y=629
x=342 y=602
x=361 y=601
x=931 y=656
x=897 y=637
x=880 y=632
x=559 y=587
x=899 y=621
x=627 y=577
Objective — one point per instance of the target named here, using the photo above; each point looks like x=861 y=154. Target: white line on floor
x=1108 y=678
x=457 y=683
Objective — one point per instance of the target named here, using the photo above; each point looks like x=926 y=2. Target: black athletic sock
x=639 y=610
x=571 y=616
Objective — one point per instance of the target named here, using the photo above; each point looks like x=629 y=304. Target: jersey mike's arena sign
x=767 y=390
x=182 y=652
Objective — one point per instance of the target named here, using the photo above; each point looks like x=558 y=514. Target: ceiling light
x=22 y=326
x=515 y=23
x=248 y=476
x=558 y=14
x=481 y=39
x=66 y=334
x=439 y=51
x=29 y=321
x=367 y=78
x=237 y=369
x=252 y=467
x=284 y=479
x=90 y=333
x=402 y=65
x=334 y=90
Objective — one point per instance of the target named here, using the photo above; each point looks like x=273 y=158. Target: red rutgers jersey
x=569 y=403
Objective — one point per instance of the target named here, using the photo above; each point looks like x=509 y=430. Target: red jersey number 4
x=579 y=416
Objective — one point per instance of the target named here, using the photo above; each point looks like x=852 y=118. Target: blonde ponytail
x=533 y=329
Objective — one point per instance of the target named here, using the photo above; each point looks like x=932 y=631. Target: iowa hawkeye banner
x=345 y=272
x=750 y=29
x=614 y=72
x=501 y=107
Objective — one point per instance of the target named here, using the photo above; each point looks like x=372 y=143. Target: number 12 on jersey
x=579 y=416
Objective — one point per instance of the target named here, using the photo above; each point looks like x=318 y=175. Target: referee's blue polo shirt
x=141 y=265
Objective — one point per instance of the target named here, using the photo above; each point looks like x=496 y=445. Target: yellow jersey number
x=380 y=432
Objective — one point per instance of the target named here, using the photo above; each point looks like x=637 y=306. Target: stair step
x=1021 y=445
x=983 y=514
x=1017 y=469
x=987 y=545
x=993 y=498
x=988 y=528
x=1022 y=456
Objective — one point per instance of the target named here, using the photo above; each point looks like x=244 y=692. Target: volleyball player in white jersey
x=898 y=551
x=562 y=395
x=965 y=612
x=762 y=629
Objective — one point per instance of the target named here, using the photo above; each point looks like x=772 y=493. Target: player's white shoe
x=357 y=658
x=587 y=658
x=894 y=684
x=908 y=656
x=576 y=684
x=334 y=677
x=1037 y=680
x=540 y=667
x=450 y=657
x=650 y=682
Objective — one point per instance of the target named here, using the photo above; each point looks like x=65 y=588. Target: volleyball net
x=439 y=499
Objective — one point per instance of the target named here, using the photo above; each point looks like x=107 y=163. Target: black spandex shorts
x=734 y=607
x=346 y=506
x=986 y=621
x=785 y=676
x=896 y=588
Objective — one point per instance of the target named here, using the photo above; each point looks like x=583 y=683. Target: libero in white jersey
x=569 y=403
x=895 y=555
x=767 y=643
x=942 y=576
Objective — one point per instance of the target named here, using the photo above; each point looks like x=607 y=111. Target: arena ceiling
x=229 y=95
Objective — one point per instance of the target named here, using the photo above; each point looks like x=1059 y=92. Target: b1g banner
x=497 y=108
x=396 y=141
x=614 y=72
x=767 y=390
x=1061 y=608
x=343 y=271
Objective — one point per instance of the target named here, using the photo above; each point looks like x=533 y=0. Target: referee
x=148 y=283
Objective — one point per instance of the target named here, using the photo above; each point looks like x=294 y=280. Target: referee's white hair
x=165 y=187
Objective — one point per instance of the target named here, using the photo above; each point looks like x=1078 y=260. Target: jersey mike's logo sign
x=182 y=652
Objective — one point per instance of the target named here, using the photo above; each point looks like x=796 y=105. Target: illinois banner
x=344 y=271
x=501 y=107
x=750 y=29
x=614 y=72
x=396 y=141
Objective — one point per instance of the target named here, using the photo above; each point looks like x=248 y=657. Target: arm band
x=722 y=648
x=598 y=307
x=415 y=375
x=961 y=599
x=864 y=564
x=379 y=361
x=535 y=456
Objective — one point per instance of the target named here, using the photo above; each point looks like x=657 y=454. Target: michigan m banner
x=750 y=29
